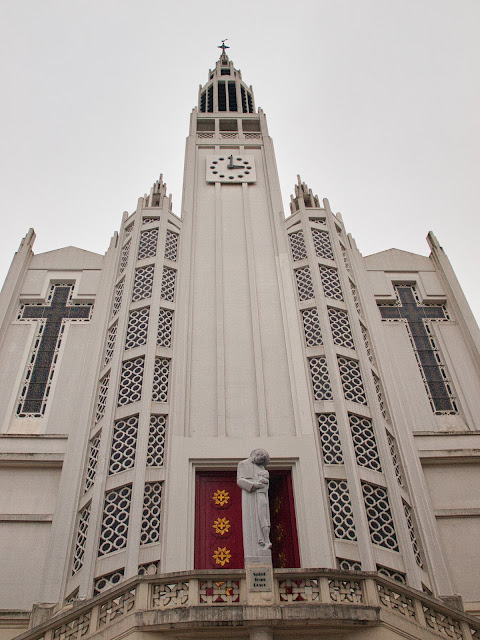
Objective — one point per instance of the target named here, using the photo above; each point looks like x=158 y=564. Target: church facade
x=134 y=382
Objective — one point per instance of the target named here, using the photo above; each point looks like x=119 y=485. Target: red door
x=218 y=521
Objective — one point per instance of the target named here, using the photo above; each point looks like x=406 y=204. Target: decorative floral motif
x=279 y=532
x=277 y=503
x=221 y=497
x=221 y=526
x=222 y=556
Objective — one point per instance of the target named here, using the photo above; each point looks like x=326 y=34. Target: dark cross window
x=52 y=316
x=417 y=317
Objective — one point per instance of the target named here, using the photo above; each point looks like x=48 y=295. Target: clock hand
x=230 y=164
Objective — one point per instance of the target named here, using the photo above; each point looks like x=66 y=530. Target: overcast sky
x=374 y=102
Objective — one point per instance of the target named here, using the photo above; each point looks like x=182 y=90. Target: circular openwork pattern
x=107 y=582
x=393 y=452
x=297 y=245
x=81 y=539
x=340 y=326
x=171 y=245
x=128 y=230
x=156 y=441
x=320 y=379
x=413 y=537
x=160 y=380
x=142 y=285
x=366 y=342
x=117 y=298
x=137 y=329
x=329 y=436
x=304 y=284
x=131 y=380
x=364 y=442
x=168 y=284
x=110 y=346
x=380 y=521
x=341 y=509
x=164 y=331
x=148 y=244
x=351 y=380
x=321 y=241
x=116 y=514
x=378 y=389
x=102 y=397
x=349 y=565
x=152 y=501
x=311 y=326
x=331 y=282
x=92 y=462
x=124 y=258
x=124 y=444
x=392 y=573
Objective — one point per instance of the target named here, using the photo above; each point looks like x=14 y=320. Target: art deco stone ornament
x=252 y=478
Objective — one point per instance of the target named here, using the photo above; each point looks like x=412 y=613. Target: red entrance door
x=218 y=521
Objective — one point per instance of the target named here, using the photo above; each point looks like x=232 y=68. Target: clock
x=231 y=168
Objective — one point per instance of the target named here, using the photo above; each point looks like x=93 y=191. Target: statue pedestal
x=259 y=575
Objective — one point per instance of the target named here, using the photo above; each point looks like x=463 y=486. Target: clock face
x=230 y=167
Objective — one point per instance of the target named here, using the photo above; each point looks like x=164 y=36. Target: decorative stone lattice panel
x=143 y=283
x=331 y=282
x=349 y=565
x=351 y=380
x=364 y=442
x=340 y=326
x=116 y=513
x=398 y=602
x=379 y=516
x=320 y=378
x=345 y=591
x=156 y=441
x=92 y=462
x=160 y=380
x=117 y=297
x=355 y=298
x=366 y=342
x=171 y=246
x=124 y=444
x=219 y=591
x=131 y=380
x=116 y=607
x=297 y=245
x=137 y=329
x=395 y=459
x=304 y=284
x=171 y=594
x=164 y=331
x=152 y=505
x=149 y=568
x=330 y=438
x=341 y=509
x=74 y=629
x=322 y=244
x=107 y=581
x=148 y=244
x=128 y=230
x=168 y=284
x=149 y=220
x=378 y=390
x=311 y=327
x=110 y=345
x=299 y=590
x=102 y=397
x=392 y=573
x=442 y=624
x=124 y=257
x=413 y=537
x=344 y=255
x=82 y=529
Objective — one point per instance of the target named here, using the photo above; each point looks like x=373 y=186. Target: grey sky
x=374 y=102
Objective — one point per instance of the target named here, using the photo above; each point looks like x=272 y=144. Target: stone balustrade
x=211 y=600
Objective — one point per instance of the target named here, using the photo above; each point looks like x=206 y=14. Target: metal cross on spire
x=223 y=46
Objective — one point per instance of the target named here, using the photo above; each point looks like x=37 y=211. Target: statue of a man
x=252 y=477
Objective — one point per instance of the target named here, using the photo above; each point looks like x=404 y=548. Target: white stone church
x=133 y=383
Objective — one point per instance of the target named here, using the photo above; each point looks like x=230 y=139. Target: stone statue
x=252 y=477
